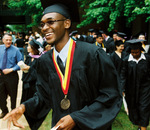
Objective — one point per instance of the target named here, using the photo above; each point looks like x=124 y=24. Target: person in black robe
x=30 y=75
x=122 y=36
x=108 y=42
x=94 y=102
x=91 y=38
x=99 y=41
x=135 y=78
x=117 y=58
x=118 y=55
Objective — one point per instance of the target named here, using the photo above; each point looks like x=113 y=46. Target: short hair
x=8 y=34
x=99 y=35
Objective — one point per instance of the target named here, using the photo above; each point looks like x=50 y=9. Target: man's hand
x=66 y=123
x=14 y=115
x=7 y=71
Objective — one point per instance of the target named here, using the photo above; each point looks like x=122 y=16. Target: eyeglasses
x=49 y=23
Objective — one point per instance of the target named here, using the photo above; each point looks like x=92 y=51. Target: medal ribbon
x=65 y=79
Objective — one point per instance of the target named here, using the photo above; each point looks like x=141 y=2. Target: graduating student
x=118 y=55
x=99 y=40
x=135 y=78
x=72 y=78
x=144 y=44
x=29 y=78
x=91 y=38
x=74 y=35
x=115 y=36
x=108 y=42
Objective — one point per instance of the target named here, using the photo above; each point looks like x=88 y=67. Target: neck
x=118 y=51
x=59 y=46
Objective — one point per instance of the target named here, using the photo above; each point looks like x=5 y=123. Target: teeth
x=49 y=34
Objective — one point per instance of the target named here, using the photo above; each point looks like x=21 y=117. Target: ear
x=67 y=23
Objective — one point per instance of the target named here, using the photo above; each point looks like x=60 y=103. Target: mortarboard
x=120 y=34
x=115 y=33
x=35 y=44
x=91 y=30
x=68 y=8
x=99 y=35
x=136 y=44
x=101 y=31
x=74 y=32
x=44 y=44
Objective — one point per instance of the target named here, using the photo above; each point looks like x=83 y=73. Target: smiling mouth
x=48 y=34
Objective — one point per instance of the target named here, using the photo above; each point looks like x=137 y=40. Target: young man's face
x=115 y=37
x=54 y=27
x=99 y=40
x=141 y=37
x=136 y=53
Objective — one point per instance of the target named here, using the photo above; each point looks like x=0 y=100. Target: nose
x=46 y=26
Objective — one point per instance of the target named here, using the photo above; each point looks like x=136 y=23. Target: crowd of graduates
x=132 y=61
x=130 y=57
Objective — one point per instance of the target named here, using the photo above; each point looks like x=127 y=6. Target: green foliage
x=96 y=11
x=28 y=7
x=111 y=10
x=16 y=28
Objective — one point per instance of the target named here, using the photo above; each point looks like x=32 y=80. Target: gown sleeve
x=37 y=107
x=101 y=112
x=123 y=74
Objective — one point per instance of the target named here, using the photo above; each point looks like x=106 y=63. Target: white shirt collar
x=133 y=59
x=107 y=38
x=63 y=53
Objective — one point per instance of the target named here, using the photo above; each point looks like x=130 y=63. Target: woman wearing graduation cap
x=135 y=78
x=30 y=76
x=72 y=78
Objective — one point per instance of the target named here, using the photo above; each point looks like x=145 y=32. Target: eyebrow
x=49 y=18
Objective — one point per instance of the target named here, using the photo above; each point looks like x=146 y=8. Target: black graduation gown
x=95 y=102
x=90 y=39
x=29 y=86
x=118 y=62
x=29 y=80
x=136 y=80
x=109 y=44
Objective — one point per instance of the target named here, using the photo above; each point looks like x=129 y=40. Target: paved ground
x=22 y=120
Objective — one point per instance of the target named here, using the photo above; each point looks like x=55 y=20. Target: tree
x=111 y=10
x=144 y=10
x=28 y=7
x=95 y=10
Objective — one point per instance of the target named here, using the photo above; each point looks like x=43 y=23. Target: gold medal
x=65 y=103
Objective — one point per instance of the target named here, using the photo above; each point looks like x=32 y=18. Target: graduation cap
x=44 y=44
x=67 y=8
x=99 y=35
x=91 y=30
x=74 y=33
x=115 y=32
x=35 y=43
x=120 y=34
x=101 y=31
x=136 y=44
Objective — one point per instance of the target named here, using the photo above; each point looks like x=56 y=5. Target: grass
x=121 y=122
